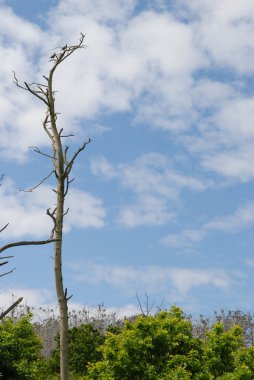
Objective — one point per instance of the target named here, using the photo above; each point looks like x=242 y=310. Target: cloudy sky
x=162 y=203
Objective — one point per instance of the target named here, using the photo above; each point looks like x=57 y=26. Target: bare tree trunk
x=61 y=294
x=58 y=162
x=61 y=168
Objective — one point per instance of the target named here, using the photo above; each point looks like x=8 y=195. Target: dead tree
x=62 y=166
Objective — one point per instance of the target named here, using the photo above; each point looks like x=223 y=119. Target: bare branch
x=44 y=123
x=20 y=243
x=67 y=185
x=70 y=135
x=2 y=229
x=52 y=233
x=52 y=214
x=66 y=212
x=27 y=87
x=65 y=295
x=140 y=305
x=7 y=311
x=35 y=93
x=66 y=51
x=10 y=271
x=38 y=184
x=69 y=166
x=65 y=154
x=6 y=257
x=4 y=262
x=148 y=308
x=37 y=150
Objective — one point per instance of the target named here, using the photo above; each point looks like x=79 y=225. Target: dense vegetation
x=164 y=346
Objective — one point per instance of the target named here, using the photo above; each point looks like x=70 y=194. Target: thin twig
x=6 y=257
x=10 y=271
x=140 y=305
x=37 y=150
x=2 y=229
x=38 y=184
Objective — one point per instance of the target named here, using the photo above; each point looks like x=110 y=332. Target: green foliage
x=178 y=373
x=19 y=349
x=220 y=349
x=159 y=347
x=150 y=348
x=84 y=343
x=244 y=366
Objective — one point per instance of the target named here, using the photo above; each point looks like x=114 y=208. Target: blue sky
x=162 y=203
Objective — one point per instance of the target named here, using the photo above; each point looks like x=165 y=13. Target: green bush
x=20 y=349
x=221 y=348
x=151 y=347
x=84 y=343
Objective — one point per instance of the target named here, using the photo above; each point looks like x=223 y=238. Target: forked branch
x=69 y=165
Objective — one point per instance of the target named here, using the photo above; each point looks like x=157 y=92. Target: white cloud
x=118 y=67
x=147 y=211
x=26 y=212
x=211 y=94
x=31 y=297
x=223 y=30
x=154 y=183
x=153 y=75
x=185 y=279
x=149 y=279
x=242 y=218
x=100 y=166
x=112 y=10
x=43 y=303
x=28 y=33
x=185 y=238
x=225 y=142
x=85 y=210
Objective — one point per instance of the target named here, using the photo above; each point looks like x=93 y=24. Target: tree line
x=167 y=345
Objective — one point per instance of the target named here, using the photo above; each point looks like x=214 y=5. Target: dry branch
x=7 y=311
x=22 y=243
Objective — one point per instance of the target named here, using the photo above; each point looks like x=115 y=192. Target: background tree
x=229 y=319
x=62 y=166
